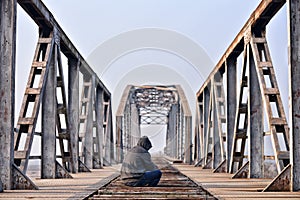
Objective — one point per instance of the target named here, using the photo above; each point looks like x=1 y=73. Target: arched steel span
x=155 y=104
x=164 y=75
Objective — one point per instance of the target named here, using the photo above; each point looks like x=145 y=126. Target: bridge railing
x=232 y=126
x=76 y=134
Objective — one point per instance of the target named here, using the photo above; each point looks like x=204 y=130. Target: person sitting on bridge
x=137 y=169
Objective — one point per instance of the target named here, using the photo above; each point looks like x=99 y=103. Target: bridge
x=243 y=144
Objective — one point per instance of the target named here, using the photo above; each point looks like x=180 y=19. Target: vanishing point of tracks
x=173 y=185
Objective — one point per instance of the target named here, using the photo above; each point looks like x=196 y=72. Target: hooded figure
x=137 y=168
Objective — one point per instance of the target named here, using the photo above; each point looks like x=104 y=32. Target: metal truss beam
x=260 y=76
x=45 y=20
x=257 y=22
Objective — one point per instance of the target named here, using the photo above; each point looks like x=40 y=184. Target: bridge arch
x=135 y=76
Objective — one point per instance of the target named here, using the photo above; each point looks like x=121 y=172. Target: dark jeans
x=150 y=178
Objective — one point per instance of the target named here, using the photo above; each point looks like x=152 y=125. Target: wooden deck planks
x=84 y=184
x=222 y=186
x=79 y=187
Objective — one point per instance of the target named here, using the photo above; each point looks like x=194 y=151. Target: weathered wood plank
x=224 y=187
x=81 y=186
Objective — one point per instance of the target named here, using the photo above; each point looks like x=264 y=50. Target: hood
x=145 y=143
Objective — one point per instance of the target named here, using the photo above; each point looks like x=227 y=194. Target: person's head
x=145 y=143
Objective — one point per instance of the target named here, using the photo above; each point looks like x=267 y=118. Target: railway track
x=173 y=185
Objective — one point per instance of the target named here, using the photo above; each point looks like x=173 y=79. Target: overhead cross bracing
x=154 y=105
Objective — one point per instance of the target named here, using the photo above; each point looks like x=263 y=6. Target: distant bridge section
x=155 y=105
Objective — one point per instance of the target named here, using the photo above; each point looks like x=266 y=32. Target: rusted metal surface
x=173 y=185
x=21 y=181
x=242 y=172
x=282 y=182
x=222 y=168
x=61 y=172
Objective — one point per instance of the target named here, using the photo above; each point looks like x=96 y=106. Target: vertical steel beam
x=206 y=100
x=109 y=150
x=172 y=124
x=73 y=109
x=49 y=120
x=134 y=124
x=110 y=126
x=294 y=73
x=170 y=133
x=196 y=149
x=126 y=131
x=177 y=132
x=181 y=133
x=167 y=148
x=8 y=11
x=256 y=139
x=217 y=155
x=129 y=130
x=197 y=152
x=201 y=133
x=89 y=128
x=119 y=138
x=230 y=105
x=188 y=139
x=99 y=124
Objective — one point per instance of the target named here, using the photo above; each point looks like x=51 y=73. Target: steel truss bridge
x=77 y=135
x=155 y=105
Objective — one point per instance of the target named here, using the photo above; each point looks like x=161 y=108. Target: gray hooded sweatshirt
x=138 y=160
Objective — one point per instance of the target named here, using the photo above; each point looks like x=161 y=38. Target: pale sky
x=212 y=25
